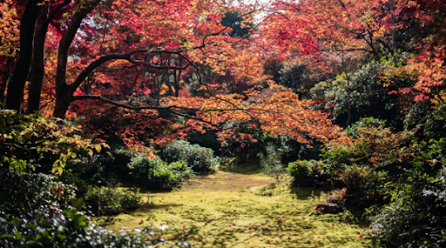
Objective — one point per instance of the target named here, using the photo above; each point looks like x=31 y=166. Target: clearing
x=243 y=209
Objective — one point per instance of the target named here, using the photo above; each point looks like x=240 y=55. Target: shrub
x=200 y=159
x=154 y=172
x=365 y=185
x=416 y=218
x=37 y=210
x=365 y=93
x=32 y=139
x=308 y=172
x=272 y=162
x=366 y=164
x=108 y=168
x=110 y=201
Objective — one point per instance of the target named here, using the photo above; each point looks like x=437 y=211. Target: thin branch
x=55 y=10
x=159 y=67
x=126 y=106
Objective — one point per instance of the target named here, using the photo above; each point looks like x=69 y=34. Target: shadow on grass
x=305 y=193
x=250 y=168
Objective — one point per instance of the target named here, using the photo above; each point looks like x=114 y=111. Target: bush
x=200 y=159
x=156 y=173
x=30 y=139
x=272 y=162
x=109 y=201
x=37 y=210
x=109 y=168
x=365 y=93
x=366 y=164
x=308 y=172
x=416 y=218
x=29 y=194
x=365 y=185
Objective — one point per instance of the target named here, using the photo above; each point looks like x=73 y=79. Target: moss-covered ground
x=243 y=208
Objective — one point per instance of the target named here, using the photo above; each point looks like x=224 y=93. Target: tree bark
x=64 y=92
x=38 y=62
x=5 y=78
x=393 y=20
x=16 y=86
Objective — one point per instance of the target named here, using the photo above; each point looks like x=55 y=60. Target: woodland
x=121 y=120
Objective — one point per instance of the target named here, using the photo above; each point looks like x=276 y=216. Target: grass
x=230 y=209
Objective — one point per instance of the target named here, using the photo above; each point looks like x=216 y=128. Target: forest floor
x=243 y=208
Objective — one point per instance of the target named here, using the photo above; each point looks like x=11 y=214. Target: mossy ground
x=244 y=209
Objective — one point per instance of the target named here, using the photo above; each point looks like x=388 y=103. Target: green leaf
x=18 y=235
x=77 y=203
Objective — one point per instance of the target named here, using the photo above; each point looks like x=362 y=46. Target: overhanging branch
x=173 y=109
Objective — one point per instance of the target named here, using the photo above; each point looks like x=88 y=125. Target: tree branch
x=55 y=10
x=126 y=106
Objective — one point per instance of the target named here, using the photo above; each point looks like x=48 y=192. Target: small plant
x=272 y=162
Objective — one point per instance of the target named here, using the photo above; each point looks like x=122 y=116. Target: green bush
x=30 y=194
x=37 y=210
x=366 y=166
x=109 y=168
x=416 y=218
x=366 y=93
x=365 y=185
x=110 y=201
x=34 y=142
x=308 y=172
x=156 y=173
x=272 y=161
x=200 y=159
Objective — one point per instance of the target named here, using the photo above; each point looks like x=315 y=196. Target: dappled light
x=228 y=209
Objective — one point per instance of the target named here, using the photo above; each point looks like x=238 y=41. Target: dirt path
x=244 y=210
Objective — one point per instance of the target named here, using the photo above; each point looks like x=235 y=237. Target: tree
x=124 y=53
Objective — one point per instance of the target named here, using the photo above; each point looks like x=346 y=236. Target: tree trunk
x=16 y=86
x=38 y=71
x=393 y=20
x=64 y=91
x=5 y=78
x=63 y=101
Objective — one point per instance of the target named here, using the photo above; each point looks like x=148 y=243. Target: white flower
x=163 y=227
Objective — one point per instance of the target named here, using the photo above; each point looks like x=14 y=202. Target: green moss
x=231 y=210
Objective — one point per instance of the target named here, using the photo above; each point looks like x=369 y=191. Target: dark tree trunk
x=5 y=78
x=394 y=32
x=16 y=86
x=64 y=91
x=38 y=71
x=63 y=100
